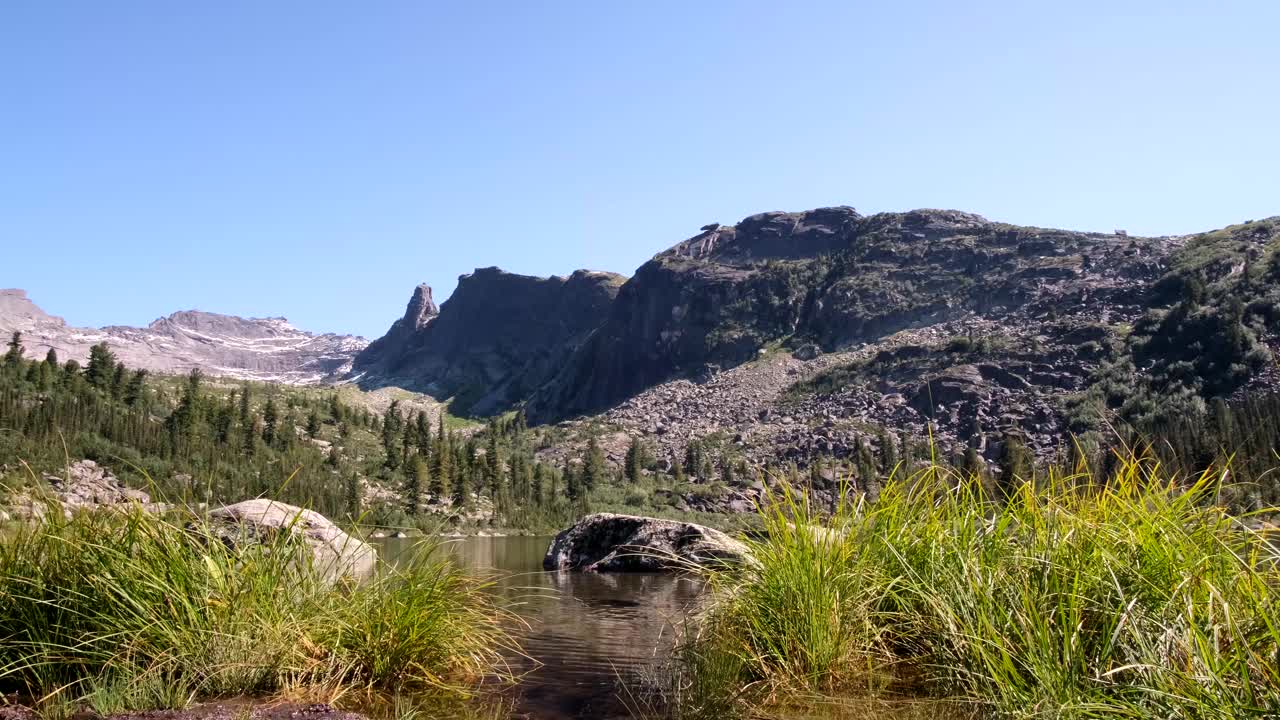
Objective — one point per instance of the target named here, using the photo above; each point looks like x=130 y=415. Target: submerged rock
x=608 y=542
x=334 y=553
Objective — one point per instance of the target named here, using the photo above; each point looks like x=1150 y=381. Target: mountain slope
x=494 y=341
x=264 y=349
x=837 y=279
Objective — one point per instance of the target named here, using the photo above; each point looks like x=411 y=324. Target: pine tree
x=335 y=408
x=538 y=486
x=182 y=420
x=888 y=453
x=493 y=465
x=726 y=471
x=692 y=460
x=249 y=438
x=354 y=495
x=391 y=428
x=594 y=469
x=313 y=425
x=417 y=479
x=118 y=381
x=633 y=461
x=1015 y=464
x=137 y=387
x=438 y=485
x=101 y=368
x=442 y=461
x=423 y=428
x=13 y=357
x=406 y=443
x=269 y=420
x=50 y=358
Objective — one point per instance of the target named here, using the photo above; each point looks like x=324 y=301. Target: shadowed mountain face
x=836 y=279
x=493 y=342
x=264 y=349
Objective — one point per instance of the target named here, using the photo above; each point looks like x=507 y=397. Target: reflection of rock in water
x=588 y=633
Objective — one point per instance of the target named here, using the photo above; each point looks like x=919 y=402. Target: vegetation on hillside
x=194 y=440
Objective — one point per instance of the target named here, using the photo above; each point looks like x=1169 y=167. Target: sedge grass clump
x=1136 y=597
x=127 y=610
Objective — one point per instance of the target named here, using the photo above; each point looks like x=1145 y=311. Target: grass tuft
x=126 y=610
x=1135 y=597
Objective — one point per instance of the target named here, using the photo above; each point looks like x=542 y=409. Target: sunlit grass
x=125 y=610
x=1078 y=597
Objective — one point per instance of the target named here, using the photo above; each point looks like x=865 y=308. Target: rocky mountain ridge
x=261 y=349
x=496 y=339
x=792 y=335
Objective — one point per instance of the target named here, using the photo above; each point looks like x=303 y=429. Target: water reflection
x=589 y=636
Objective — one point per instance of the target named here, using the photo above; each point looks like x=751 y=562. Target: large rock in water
x=610 y=542
x=334 y=553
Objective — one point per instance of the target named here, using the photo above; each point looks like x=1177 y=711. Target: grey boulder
x=334 y=553
x=608 y=542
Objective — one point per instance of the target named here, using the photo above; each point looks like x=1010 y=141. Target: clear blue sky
x=318 y=159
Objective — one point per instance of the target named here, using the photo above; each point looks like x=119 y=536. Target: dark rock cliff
x=497 y=339
x=838 y=279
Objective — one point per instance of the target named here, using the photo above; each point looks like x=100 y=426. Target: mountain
x=797 y=334
x=498 y=338
x=263 y=349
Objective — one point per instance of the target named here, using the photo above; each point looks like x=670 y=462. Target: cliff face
x=493 y=342
x=834 y=278
x=264 y=349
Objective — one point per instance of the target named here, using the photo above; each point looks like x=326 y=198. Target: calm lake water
x=592 y=639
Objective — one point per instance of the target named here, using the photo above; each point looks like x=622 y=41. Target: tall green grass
x=1135 y=597
x=128 y=610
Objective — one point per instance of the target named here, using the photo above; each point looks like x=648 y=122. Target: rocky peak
x=494 y=341
x=421 y=309
x=771 y=236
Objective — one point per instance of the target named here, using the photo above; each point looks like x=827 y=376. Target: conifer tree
x=678 y=474
x=1015 y=464
x=354 y=495
x=390 y=429
x=118 y=381
x=461 y=489
x=137 y=387
x=101 y=368
x=423 y=428
x=13 y=357
x=417 y=478
x=633 y=461
x=443 y=459
x=594 y=469
x=538 y=485
x=313 y=425
x=270 y=418
x=246 y=414
x=438 y=485
x=888 y=453
x=726 y=471
x=406 y=443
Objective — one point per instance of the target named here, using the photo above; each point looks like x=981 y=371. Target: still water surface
x=592 y=639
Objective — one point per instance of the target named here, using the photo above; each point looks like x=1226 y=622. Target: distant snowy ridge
x=263 y=349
